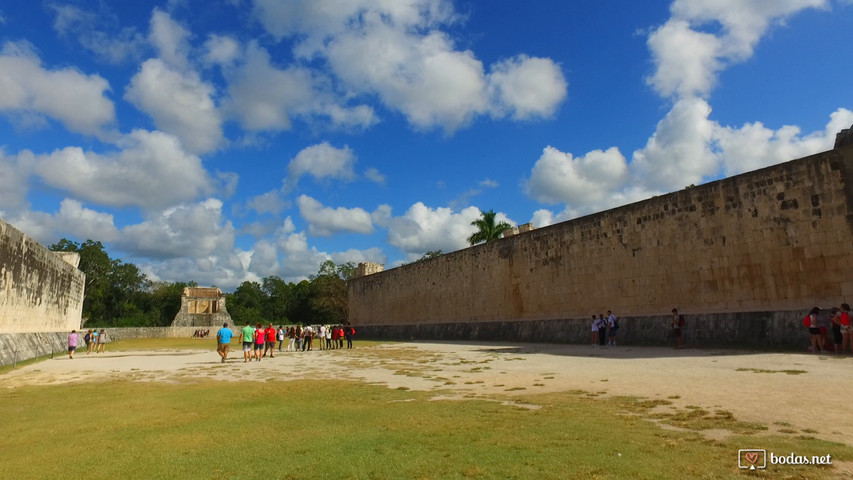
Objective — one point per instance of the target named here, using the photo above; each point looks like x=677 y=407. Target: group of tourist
x=839 y=322
x=95 y=342
x=604 y=330
x=201 y=333
x=258 y=342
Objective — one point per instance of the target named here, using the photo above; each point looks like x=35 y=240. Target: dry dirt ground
x=803 y=392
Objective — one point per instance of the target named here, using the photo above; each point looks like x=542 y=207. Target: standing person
x=248 y=338
x=95 y=340
x=602 y=329
x=328 y=337
x=72 y=344
x=223 y=341
x=340 y=336
x=321 y=335
x=844 y=321
x=102 y=341
x=595 y=324
x=269 y=346
x=307 y=338
x=815 y=339
x=677 y=325
x=260 y=340
x=298 y=337
x=835 y=319
x=88 y=340
x=611 y=330
x=291 y=338
x=348 y=333
x=280 y=335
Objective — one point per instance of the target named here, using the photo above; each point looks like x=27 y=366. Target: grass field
x=326 y=429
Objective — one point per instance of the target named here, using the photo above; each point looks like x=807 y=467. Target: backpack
x=615 y=323
x=680 y=321
x=807 y=322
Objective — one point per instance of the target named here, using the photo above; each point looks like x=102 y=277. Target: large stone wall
x=772 y=240
x=40 y=291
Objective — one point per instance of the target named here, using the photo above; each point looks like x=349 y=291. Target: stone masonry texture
x=779 y=239
x=40 y=291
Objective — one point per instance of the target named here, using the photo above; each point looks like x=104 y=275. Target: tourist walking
x=328 y=337
x=102 y=341
x=248 y=340
x=88 y=340
x=72 y=343
x=269 y=345
x=260 y=340
x=223 y=341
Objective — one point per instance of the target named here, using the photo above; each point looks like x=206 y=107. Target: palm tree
x=487 y=229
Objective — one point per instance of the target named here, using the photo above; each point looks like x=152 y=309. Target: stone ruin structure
x=527 y=227
x=202 y=307
x=844 y=138
x=743 y=258
x=368 y=268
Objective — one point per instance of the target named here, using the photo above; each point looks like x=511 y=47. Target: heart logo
x=751 y=457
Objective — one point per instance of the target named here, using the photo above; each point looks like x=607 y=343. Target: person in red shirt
x=846 y=331
x=269 y=345
x=260 y=340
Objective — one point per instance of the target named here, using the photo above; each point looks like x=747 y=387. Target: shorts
x=71 y=349
x=814 y=331
x=247 y=346
x=259 y=346
x=271 y=344
x=611 y=333
x=223 y=347
x=846 y=329
x=676 y=332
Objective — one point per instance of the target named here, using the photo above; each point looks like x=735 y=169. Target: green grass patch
x=761 y=370
x=326 y=429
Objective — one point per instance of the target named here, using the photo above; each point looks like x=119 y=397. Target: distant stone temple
x=202 y=307
x=368 y=268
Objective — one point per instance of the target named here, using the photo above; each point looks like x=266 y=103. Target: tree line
x=119 y=294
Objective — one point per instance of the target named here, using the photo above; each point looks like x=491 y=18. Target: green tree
x=329 y=289
x=246 y=304
x=278 y=297
x=487 y=229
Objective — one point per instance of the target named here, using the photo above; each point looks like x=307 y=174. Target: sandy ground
x=815 y=396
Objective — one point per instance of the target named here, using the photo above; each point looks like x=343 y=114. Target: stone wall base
x=17 y=347
x=780 y=330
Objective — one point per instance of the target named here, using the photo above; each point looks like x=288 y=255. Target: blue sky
x=229 y=140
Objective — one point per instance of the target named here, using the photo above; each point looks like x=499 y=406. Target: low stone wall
x=781 y=330
x=16 y=347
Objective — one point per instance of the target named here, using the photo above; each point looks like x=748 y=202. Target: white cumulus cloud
x=327 y=221
x=73 y=98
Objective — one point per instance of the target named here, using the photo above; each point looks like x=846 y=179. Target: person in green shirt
x=248 y=338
